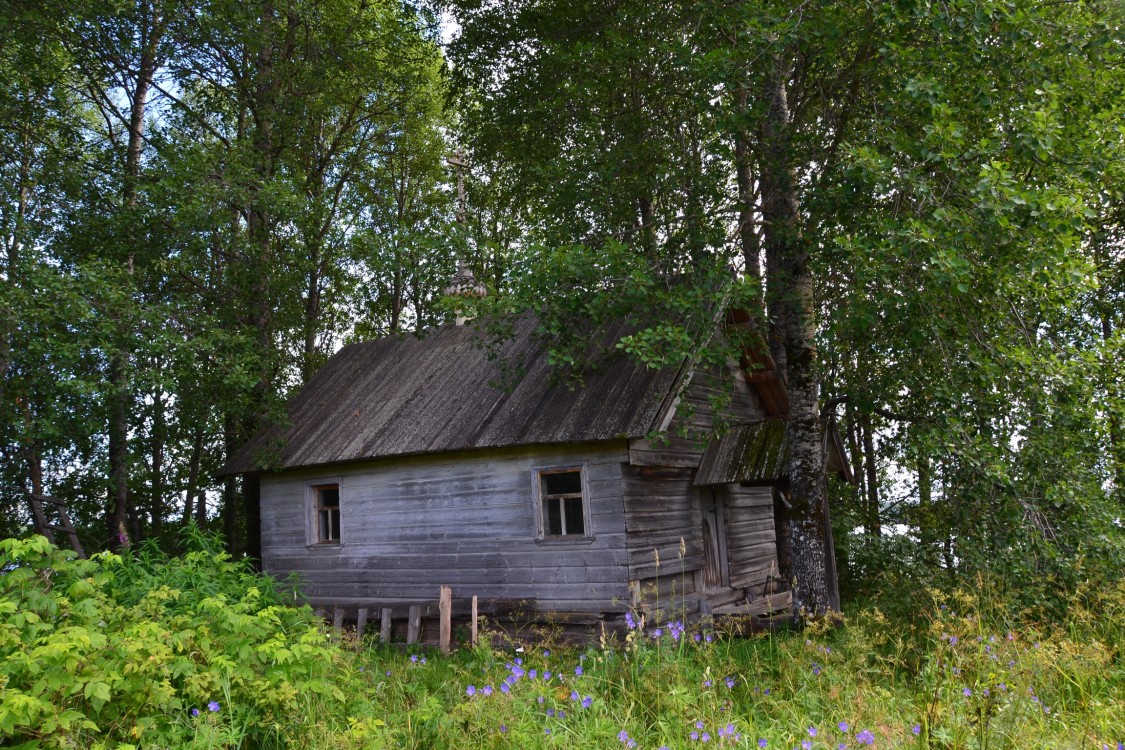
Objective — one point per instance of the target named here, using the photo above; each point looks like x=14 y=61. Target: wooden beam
x=385 y=625
x=473 y=627
x=338 y=619
x=445 y=612
x=360 y=622
x=414 y=624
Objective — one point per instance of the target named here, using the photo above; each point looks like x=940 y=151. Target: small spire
x=464 y=284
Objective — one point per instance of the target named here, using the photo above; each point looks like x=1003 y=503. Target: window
x=326 y=513
x=562 y=503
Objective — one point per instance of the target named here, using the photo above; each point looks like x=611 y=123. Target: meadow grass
x=197 y=651
x=955 y=677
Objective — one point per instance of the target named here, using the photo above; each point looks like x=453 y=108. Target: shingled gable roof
x=403 y=395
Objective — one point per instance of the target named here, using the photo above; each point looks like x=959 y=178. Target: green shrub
x=135 y=651
x=145 y=650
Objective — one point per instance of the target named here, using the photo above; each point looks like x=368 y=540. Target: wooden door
x=716 y=567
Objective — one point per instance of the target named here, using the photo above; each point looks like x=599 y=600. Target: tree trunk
x=252 y=497
x=193 y=473
x=1115 y=408
x=747 y=235
x=805 y=530
x=119 y=450
x=230 y=510
x=157 y=443
x=312 y=315
x=152 y=29
x=260 y=225
x=871 y=520
x=926 y=530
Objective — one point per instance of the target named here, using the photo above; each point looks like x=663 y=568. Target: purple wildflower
x=865 y=737
x=967 y=692
x=213 y=706
x=587 y=702
x=694 y=735
x=487 y=690
x=578 y=670
x=812 y=732
x=807 y=745
x=540 y=699
x=574 y=695
x=503 y=729
x=414 y=658
x=842 y=726
x=504 y=688
x=762 y=742
x=471 y=690
x=195 y=712
x=917 y=729
x=730 y=682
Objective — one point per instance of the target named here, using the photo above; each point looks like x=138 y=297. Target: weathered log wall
x=467 y=520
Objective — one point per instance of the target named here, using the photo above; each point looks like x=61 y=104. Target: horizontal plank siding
x=660 y=511
x=751 y=537
x=467 y=520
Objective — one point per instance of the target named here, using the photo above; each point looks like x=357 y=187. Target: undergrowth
x=197 y=651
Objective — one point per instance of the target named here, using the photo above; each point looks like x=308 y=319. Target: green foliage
x=122 y=650
x=134 y=649
x=260 y=220
x=957 y=171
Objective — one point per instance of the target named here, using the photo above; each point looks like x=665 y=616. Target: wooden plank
x=474 y=625
x=445 y=617
x=753 y=574
x=385 y=625
x=332 y=588
x=601 y=552
x=338 y=619
x=360 y=622
x=414 y=624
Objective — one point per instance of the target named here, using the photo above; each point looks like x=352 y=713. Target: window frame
x=312 y=512
x=538 y=473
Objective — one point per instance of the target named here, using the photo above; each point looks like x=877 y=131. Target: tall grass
x=197 y=652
